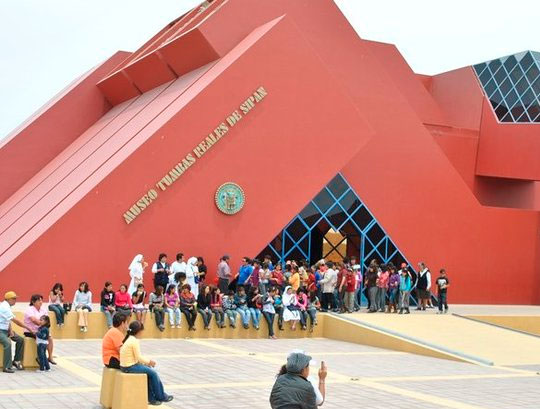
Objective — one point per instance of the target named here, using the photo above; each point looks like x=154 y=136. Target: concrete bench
x=97 y=327
x=30 y=353
x=130 y=391
x=108 y=379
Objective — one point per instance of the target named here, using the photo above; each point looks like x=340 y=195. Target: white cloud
x=46 y=44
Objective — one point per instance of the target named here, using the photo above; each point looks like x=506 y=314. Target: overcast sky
x=46 y=44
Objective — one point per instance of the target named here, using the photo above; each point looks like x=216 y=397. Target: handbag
x=67 y=307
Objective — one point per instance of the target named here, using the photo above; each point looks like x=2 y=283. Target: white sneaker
x=85 y=329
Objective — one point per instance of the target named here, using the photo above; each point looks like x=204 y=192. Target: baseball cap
x=312 y=362
x=297 y=361
x=9 y=295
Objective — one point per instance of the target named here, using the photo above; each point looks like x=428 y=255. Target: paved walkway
x=459 y=335
x=238 y=374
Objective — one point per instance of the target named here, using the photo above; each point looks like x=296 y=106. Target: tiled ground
x=238 y=374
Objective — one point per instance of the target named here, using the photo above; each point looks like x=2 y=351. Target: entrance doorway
x=334 y=224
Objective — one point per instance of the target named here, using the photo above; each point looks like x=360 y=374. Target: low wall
x=526 y=323
x=97 y=326
x=344 y=330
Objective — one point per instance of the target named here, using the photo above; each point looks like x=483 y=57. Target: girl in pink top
x=172 y=303
x=122 y=300
x=32 y=317
x=302 y=302
x=382 y=287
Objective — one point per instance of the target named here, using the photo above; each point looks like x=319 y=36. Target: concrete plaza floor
x=238 y=374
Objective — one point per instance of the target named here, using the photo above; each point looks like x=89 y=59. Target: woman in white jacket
x=136 y=271
x=290 y=312
x=192 y=271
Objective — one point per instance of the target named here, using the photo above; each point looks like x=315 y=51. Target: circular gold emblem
x=230 y=198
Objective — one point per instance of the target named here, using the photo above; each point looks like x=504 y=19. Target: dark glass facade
x=335 y=223
x=512 y=85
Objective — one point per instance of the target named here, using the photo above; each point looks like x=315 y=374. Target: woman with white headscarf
x=192 y=271
x=291 y=311
x=136 y=271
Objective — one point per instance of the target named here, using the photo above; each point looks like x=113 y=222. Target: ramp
x=469 y=339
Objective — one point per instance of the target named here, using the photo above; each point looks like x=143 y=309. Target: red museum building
x=338 y=146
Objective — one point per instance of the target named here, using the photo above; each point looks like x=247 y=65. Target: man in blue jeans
x=7 y=335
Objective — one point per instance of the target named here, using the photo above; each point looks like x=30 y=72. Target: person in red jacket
x=122 y=301
x=277 y=277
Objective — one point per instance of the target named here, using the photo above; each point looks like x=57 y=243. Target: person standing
x=161 y=271
x=268 y=260
x=382 y=288
x=7 y=334
x=112 y=341
x=358 y=274
x=328 y=283
x=423 y=286
x=202 y=270
x=339 y=291
x=405 y=285
x=393 y=290
x=442 y=291
x=277 y=279
x=42 y=341
x=192 y=275
x=348 y=284
x=56 y=303
x=244 y=273
x=371 y=285
x=255 y=278
x=136 y=272
x=224 y=274
x=294 y=279
x=178 y=267
x=264 y=278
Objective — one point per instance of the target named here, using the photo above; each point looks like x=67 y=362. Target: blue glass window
x=336 y=207
x=512 y=85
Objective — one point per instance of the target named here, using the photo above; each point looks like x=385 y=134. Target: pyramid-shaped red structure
x=277 y=97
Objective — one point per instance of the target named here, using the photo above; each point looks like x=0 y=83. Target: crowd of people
x=291 y=294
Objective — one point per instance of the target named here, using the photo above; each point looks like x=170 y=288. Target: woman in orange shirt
x=294 y=280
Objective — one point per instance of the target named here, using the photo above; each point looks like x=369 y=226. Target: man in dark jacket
x=292 y=390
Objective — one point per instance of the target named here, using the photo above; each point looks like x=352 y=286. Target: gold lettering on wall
x=198 y=151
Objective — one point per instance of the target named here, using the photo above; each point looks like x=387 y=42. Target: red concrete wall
x=508 y=150
x=332 y=106
x=460 y=97
x=266 y=143
x=50 y=130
